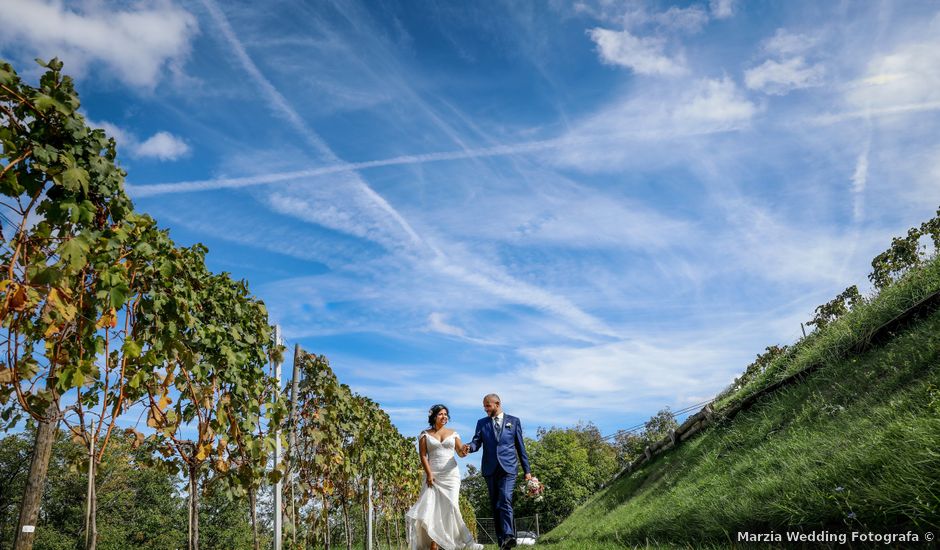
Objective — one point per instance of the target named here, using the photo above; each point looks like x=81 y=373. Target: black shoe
x=508 y=543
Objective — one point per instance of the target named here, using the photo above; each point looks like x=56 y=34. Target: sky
x=594 y=208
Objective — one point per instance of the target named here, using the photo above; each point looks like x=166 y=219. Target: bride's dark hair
x=433 y=413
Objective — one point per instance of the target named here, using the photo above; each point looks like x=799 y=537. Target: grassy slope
x=856 y=446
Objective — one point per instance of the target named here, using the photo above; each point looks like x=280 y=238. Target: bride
x=435 y=522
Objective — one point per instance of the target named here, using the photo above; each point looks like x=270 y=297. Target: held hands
x=463 y=450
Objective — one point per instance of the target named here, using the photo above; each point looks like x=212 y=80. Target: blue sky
x=595 y=209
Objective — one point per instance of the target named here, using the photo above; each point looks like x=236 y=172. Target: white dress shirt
x=498 y=420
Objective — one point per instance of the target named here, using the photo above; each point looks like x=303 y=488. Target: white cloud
x=778 y=249
x=721 y=9
x=632 y=129
x=644 y=55
x=859 y=181
x=163 y=146
x=644 y=368
x=784 y=43
x=122 y=137
x=905 y=80
x=544 y=208
x=437 y=323
x=690 y=19
x=347 y=206
x=929 y=185
x=716 y=104
x=136 y=44
x=562 y=384
x=341 y=202
x=633 y=16
x=780 y=77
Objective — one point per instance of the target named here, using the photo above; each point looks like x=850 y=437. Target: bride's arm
x=459 y=446
x=423 y=451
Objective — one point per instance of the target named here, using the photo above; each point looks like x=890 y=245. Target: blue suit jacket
x=501 y=452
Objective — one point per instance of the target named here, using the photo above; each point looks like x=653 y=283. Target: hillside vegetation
x=855 y=446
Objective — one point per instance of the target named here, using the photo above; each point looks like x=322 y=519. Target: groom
x=500 y=436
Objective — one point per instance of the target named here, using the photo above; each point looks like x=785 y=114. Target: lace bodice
x=441 y=453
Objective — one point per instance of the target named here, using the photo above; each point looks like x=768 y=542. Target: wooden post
x=38 y=467
x=91 y=525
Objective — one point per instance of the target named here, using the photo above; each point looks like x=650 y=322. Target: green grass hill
x=853 y=446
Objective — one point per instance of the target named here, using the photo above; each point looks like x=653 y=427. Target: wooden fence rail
x=697 y=422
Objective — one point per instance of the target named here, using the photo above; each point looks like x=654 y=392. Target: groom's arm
x=477 y=440
x=520 y=448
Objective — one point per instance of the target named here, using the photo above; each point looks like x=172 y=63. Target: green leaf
x=118 y=294
x=44 y=275
x=7 y=75
x=44 y=103
x=10 y=184
x=131 y=349
x=136 y=380
x=74 y=252
x=73 y=179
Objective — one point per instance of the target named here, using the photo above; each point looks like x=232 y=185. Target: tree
x=835 y=308
x=473 y=487
x=140 y=505
x=760 y=364
x=341 y=440
x=561 y=461
x=659 y=425
x=220 y=343
x=225 y=523
x=630 y=445
x=14 y=466
x=62 y=192
x=905 y=253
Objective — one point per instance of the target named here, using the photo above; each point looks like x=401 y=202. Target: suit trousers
x=500 y=486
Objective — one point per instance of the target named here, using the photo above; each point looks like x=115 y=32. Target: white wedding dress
x=436 y=516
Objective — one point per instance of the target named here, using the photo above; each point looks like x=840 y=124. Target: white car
x=526 y=538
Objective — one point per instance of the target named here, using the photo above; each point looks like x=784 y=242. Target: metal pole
x=278 y=512
x=369 y=522
x=292 y=443
x=537 y=533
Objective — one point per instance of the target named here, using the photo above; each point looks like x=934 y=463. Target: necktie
x=497 y=426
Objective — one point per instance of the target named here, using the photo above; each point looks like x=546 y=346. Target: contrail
x=277 y=100
x=264 y=179
x=521 y=291
x=869 y=112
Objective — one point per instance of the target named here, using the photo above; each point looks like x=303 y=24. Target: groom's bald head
x=491 y=404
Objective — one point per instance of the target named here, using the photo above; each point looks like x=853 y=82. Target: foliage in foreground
x=103 y=314
x=139 y=507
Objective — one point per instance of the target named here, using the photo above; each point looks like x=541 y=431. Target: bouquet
x=534 y=489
